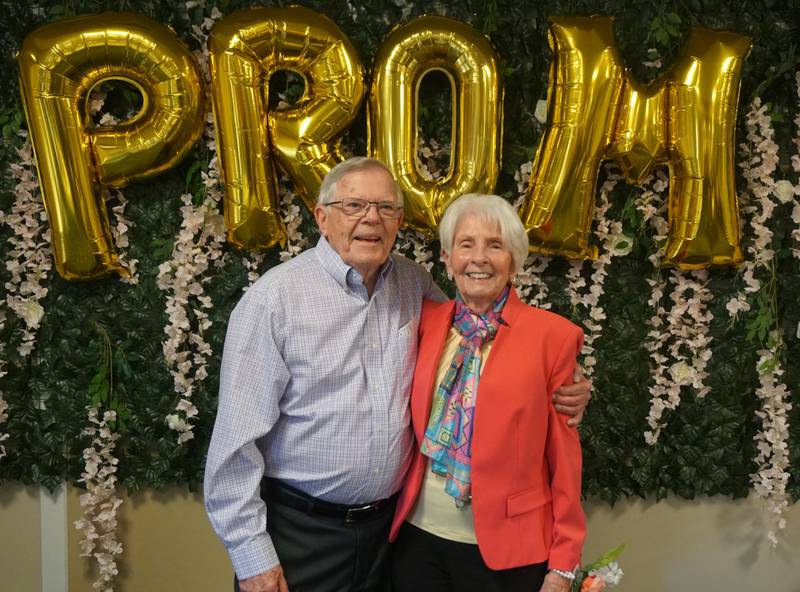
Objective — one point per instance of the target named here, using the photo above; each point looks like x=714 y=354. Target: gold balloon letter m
x=596 y=112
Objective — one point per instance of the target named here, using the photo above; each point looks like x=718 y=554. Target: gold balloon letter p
x=60 y=64
x=596 y=112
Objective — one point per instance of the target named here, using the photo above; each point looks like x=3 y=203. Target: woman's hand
x=555 y=583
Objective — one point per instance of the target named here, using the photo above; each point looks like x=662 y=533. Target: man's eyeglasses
x=355 y=207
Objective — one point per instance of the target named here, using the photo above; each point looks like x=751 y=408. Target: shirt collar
x=346 y=275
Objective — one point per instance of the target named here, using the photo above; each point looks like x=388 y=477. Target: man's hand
x=555 y=583
x=269 y=581
x=572 y=399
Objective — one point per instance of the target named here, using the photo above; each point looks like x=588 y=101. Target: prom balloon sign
x=596 y=112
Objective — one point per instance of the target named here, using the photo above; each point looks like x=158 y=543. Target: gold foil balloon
x=60 y=63
x=585 y=83
x=246 y=48
x=596 y=112
x=702 y=102
x=470 y=62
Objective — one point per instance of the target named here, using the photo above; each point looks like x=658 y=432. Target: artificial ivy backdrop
x=707 y=446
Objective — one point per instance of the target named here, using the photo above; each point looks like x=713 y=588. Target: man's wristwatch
x=564 y=574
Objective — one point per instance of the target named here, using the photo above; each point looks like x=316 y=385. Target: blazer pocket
x=527 y=500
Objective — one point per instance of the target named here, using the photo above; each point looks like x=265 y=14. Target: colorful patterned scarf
x=448 y=437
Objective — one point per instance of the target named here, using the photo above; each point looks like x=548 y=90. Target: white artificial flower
x=621 y=244
x=611 y=573
x=540 y=113
x=784 y=191
x=175 y=422
x=108 y=120
x=216 y=225
x=736 y=305
x=30 y=311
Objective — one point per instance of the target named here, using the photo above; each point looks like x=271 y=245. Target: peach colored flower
x=593 y=584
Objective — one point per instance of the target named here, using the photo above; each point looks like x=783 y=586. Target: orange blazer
x=526 y=462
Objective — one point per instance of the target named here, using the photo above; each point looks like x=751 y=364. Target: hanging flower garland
x=98 y=524
x=197 y=248
x=3 y=405
x=679 y=340
x=652 y=205
x=760 y=160
x=29 y=256
x=613 y=243
x=687 y=342
x=119 y=231
x=114 y=198
x=195 y=253
x=772 y=477
x=296 y=243
x=796 y=168
x=530 y=277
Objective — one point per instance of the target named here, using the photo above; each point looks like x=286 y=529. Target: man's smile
x=369 y=239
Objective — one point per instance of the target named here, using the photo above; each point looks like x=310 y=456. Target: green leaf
x=121 y=365
x=605 y=558
x=161 y=249
x=193 y=176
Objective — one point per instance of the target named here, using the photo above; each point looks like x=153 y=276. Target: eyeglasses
x=355 y=207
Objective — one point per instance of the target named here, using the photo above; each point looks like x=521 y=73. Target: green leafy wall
x=707 y=445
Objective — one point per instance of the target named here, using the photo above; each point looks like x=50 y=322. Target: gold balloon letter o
x=59 y=65
x=246 y=48
x=470 y=62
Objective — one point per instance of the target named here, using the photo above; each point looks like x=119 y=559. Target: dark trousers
x=324 y=554
x=425 y=562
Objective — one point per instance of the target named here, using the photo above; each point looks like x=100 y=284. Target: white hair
x=494 y=210
x=327 y=191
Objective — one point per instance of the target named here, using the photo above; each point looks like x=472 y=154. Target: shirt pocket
x=404 y=353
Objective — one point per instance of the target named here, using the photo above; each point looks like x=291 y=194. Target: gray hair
x=327 y=190
x=492 y=209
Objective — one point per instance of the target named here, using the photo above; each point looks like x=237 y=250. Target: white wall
x=710 y=545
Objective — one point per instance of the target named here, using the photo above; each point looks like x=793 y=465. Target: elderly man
x=312 y=439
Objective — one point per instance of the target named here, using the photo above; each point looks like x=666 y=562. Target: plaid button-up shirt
x=314 y=392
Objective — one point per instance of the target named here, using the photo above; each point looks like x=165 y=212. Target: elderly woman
x=492 y=497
